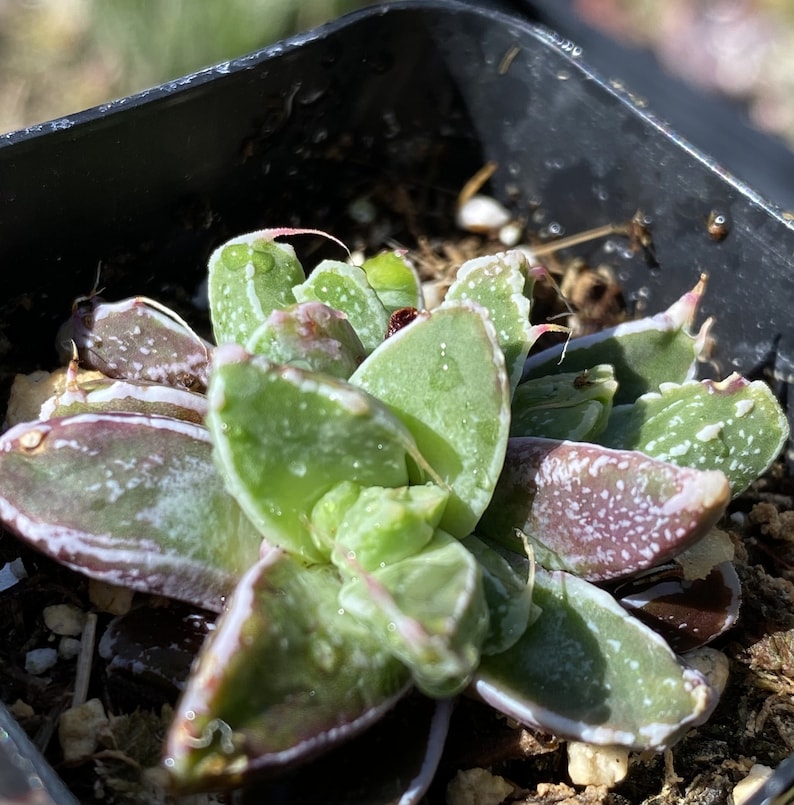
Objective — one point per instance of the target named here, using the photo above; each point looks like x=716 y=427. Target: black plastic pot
x=414 y=96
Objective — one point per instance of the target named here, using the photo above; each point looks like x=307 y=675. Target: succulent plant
x=379 y=498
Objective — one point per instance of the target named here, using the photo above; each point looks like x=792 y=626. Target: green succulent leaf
x=444 y=377
x=508 y=593
x=570 y=405
x=285 y=676
x=429 y=610
x=732 y=425
x=644 y=353
x=394 y=280
x=249 y=277
x=587 y=670
x=129 y=499
x=345 y=288
x=377 y=525
x=284 y=437
x=311 y=336
x=599 y=512
x=500 y=284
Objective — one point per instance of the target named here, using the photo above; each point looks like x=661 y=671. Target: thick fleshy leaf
x=731 y=425
x=250 y=276
x=599 y=512
x=429 y=610
x=688 y=613
x=444 y=376
x=311 y=336
x=344 y=287
x=285 y=437
x=587 y=670
x=571 y=405
x=377 y=525
x=400 y=754
x=394 y=280
x=128 y=499
x=500 y=284
x=644 y=353
x=509 y=596
x=105 y=396
x=138 y=339
x=286 y=675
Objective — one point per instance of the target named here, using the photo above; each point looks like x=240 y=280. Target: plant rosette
x=378 y=498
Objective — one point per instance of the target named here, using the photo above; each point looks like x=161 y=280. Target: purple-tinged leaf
x=598 y=512
x=687 y=613
x=286 y=675
x=587 y=670
x=644 y=353
x=400 y=755
x=124 y=396
x=139 y=339
x=311 y=336
x=132 y=500
x=151 y=648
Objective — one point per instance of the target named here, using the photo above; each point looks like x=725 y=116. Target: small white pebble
x=510 y=234
x=78 y=729
x=68 y=648
x=64 y=619
x=39 y=660
x=745 y=788
x=109 y=597
x=482 y=214
x=477 y=787
x=597 y=765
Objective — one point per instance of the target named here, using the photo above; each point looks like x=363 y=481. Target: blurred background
x=60 y=56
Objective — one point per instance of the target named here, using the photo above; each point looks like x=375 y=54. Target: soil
x=137 y=682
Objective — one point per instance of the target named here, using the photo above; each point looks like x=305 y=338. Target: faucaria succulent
x=431 y=510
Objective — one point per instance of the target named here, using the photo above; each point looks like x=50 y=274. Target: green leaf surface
x=499 y=283
x=444 y=376
x=311 y=336
x=249 y=277
x=588 y=671
x=570 y=405
x=732 y=425
x=132 y=500
x=429 y=610
x=344 y=287
x=394 y=280
x=285 y=676
x=285 y=437
x=644 y=353
x=377 y=525
x=508 y=593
